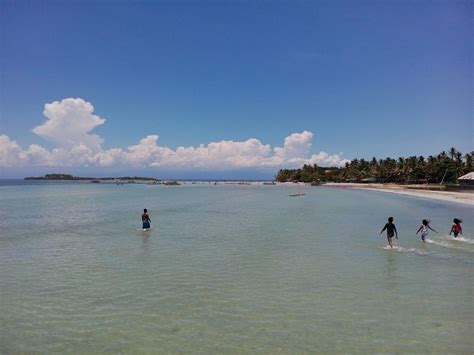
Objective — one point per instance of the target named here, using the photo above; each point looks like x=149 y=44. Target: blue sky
x=365 y=78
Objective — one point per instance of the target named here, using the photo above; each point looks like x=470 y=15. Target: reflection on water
x=391 y=271
x=146 y=241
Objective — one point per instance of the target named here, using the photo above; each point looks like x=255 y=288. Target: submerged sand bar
x=464 y=197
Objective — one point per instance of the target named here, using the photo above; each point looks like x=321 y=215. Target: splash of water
x=406 y=250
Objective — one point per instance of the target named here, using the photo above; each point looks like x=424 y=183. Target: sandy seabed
x=449 y=196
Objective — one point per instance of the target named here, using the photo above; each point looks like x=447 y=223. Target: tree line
x=445 y=167
x=71 y=177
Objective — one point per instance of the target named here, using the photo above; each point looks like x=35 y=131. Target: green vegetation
x=55 y=177
x=70 y=177
x=414 y=169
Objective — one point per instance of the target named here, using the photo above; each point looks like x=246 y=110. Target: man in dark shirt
x=391 y=231
x=146 y=220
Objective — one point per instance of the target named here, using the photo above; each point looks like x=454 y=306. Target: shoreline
x=466 y=198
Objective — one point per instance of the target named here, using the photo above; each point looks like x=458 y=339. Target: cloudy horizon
x=69 y=127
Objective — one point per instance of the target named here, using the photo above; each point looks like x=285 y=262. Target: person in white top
x=425 y=225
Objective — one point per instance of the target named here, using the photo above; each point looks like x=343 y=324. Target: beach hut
x=467 y=180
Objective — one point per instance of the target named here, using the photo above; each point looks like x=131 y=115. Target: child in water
x=391 y=231
x=456 y=228
x=146 y=220
x=425 y=225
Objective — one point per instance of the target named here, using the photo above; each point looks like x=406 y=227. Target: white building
x=467 y=179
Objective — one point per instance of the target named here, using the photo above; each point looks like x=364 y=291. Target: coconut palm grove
x=445 y=167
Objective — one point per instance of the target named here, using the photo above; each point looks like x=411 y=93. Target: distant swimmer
x=146 y=220
x=456 y=227
x=391 y=231
x=425 y=225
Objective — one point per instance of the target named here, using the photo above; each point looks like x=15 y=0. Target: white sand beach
x=465 y=197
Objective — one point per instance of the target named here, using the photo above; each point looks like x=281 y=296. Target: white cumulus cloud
x=11 y=153
x=296 y=145
x=69 y=124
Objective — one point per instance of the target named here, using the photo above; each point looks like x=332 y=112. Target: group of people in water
x=456 y=229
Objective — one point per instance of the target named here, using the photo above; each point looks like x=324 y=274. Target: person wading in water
x=146 y=220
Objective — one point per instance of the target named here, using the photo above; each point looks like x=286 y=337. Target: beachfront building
x=467 y=180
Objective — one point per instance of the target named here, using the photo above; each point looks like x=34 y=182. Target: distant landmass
x=74 y=178
x=68 y=177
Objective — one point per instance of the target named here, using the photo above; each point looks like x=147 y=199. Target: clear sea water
x=229 y=269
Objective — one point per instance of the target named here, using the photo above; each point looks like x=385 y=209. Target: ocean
x=229 y=269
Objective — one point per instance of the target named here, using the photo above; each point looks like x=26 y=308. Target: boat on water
x=299 y=192
x=95 y=182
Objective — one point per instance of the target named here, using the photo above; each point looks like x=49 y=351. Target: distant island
x=77 y=178
x=149 y=180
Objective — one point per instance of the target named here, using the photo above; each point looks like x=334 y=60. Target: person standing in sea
x=456 y=227
x=146 y=220
x=391 y=231
x=425 y=225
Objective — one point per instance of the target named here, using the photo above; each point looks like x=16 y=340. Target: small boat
x=95 y=181
x=299 y=192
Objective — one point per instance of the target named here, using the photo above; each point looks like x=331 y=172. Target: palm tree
x=468 y=158
x=448 y=165
x=452 y=153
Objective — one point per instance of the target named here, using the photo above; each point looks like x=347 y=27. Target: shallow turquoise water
x=229 y=269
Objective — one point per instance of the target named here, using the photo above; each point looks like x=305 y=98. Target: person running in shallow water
x=456 y=228
x=425 y=225
x=391 y=231
x=146 y=220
